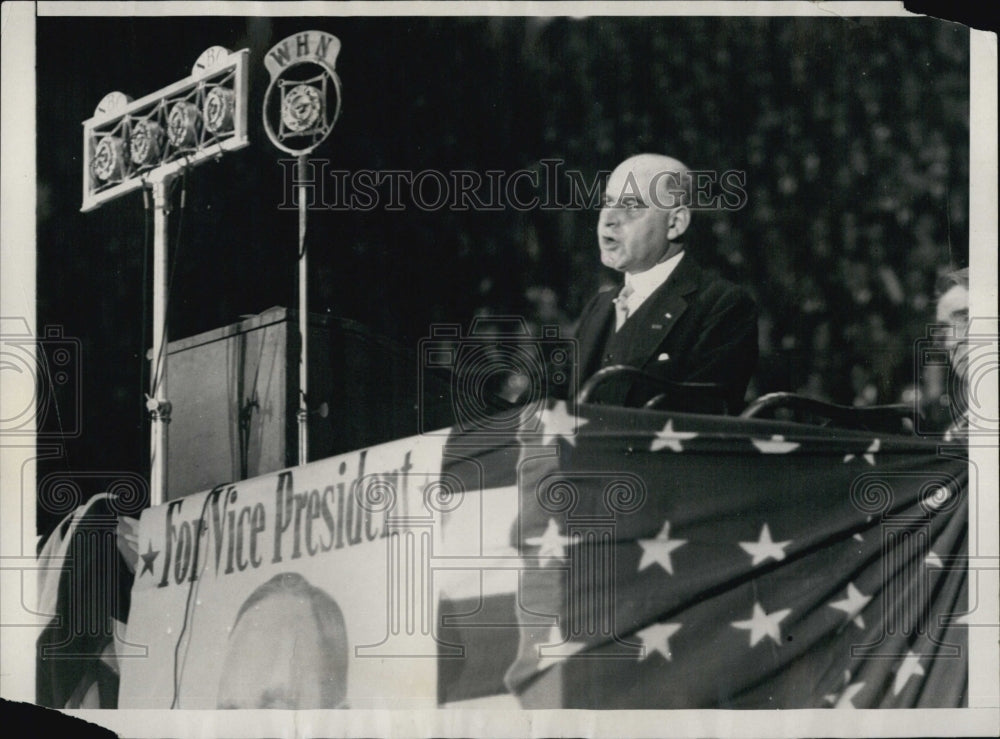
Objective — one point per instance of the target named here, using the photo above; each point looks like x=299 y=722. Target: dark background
x=853 y=134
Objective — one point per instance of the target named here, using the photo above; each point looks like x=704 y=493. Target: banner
x=703 y=562
x=607 y=559
x=306 y=588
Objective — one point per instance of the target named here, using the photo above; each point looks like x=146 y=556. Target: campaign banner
x=305 y=588
x=604 y=558
x=629 y=559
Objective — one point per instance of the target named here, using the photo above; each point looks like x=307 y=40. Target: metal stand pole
x=159 y=407
x=303 y=414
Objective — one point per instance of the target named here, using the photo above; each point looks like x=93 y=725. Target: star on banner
x=656 y=638
x=148 y=559
x=763 y=624
x=775 y=445
x=558 y=423
x=658 y=550
x=845 y=699
x=853 y=605
x=869 y=454
x=764 y=548
x=670 y=439
x=906 y=669
x=551 y=544
x=831 y=698
x=555 y=643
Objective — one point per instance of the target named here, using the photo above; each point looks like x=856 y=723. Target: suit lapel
x=660 y=312
x=593 y=341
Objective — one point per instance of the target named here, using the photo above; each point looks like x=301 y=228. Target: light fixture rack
x=127 y=144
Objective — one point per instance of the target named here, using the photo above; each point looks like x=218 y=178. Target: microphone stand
x=157 y=403
x=303 y=413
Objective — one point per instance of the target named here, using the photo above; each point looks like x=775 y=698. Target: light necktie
x=621 y=305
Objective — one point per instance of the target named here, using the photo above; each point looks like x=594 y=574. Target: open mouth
x=608 y=242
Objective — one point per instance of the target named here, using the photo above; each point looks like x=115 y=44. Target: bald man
x=287 y=649
x=670 y=319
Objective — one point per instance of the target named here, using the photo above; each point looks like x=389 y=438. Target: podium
x=234 y=392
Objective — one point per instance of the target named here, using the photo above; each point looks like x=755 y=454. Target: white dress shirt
x=645 y=284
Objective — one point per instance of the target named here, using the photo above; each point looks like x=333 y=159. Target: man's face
x=634 y=228
x=275 y=659
x=953 y=309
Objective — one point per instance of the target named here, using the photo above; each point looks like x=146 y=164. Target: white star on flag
x=853 y=605
x=909 y=667
x=670 y=439
x=764 y=548
x=775 y=445
x=846 y=698
x=551 y=544
x=558 y=423
x=656 y=638
x=869 y=454
x=556 y=648
x=763 y=624
x=658 y=550
x=831 y=698
x=934 y=560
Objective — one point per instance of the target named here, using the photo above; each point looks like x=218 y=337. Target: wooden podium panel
x=234 y=395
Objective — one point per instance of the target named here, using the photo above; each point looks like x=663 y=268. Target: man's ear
x=679 y=220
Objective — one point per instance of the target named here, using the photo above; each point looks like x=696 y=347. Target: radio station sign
x=302 y=101
x=306 y=588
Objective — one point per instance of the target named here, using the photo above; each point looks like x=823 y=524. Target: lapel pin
x=663 y=357
x=668 y=316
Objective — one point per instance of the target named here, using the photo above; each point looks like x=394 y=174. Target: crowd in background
x=854 y=140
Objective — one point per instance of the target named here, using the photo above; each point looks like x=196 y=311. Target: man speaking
x=671 y=320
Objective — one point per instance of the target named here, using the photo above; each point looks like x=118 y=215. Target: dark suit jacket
x=693 y=328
